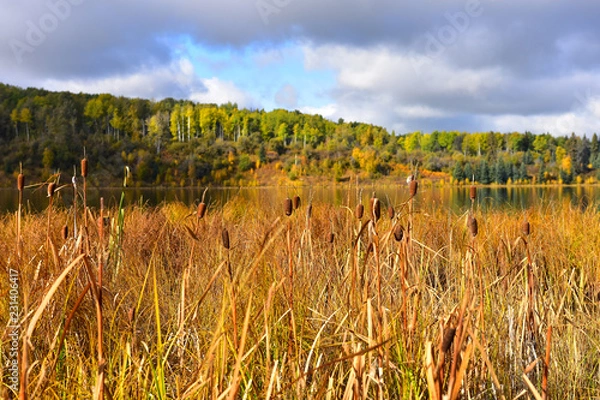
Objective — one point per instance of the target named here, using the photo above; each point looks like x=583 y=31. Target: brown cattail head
x=201 y=210
x=375 y=209
x=398 y=233
x=359 y=211
x=65 y=232
x=473 y=192
x=309 y=211
x=391 y=212
x=526 y=228
x=412 y=188
x=288 y=206
x=21 y=182
x=448 y=339
x=472 y=225
x=51 y=188
x=131 y=315
x=296 y=202
x=84 y=167
x=331 y=237
x=225 y=238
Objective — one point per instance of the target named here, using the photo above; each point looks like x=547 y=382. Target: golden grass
x=328 y=306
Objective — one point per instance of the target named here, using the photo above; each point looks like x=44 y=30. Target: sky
x=467 y=65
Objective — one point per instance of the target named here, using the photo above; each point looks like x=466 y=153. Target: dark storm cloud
x=526 y=58
x=93 y=37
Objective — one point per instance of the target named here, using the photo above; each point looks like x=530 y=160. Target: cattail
x=309 y=211
x=359 y=211
x=412 y=187
x=473 y=192
x=84 y=167
x=225 y=238
x=102 y=223
x=448 y=339
x=391 y=212
x=21 y=182
x=288 y=206
x=375 y=209
x=201 y=210
x=472 y=225
x=526 y=228
x=331 y=237
x=398 y=233
x=65 y=232
x=131 y=315
x=296 y=202
x=51 y=187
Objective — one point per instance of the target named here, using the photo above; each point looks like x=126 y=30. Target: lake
x=453 y=198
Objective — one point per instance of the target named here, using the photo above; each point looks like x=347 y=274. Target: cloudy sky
x=469 y=65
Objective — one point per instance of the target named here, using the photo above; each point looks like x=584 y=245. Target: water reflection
x=455 y=199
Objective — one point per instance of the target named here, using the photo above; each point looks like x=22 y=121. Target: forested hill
x=178 y=142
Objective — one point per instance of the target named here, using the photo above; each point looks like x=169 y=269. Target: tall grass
x=362 y=313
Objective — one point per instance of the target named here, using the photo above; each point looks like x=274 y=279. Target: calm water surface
x=454 y=199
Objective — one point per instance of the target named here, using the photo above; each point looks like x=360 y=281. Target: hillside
x=181 y=143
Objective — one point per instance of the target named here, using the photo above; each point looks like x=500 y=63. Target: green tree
x=458 y=173
x=594 y=146
x=48 y=158
x=15 y=118
x=483 y=173
x=175 y=123
x=413 y=141
x=26 y=117
x=157 y=128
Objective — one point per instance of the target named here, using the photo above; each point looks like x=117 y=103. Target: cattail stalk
x=24 y=353
x=84 y=174
x=74 y=183
x=292 y=329
x=20 y=187
x=101 y=361
x=546 y=363
x=51 y=188
x=413 y=185
x=227 y=246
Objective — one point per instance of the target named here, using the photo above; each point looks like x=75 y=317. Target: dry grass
x=369 y=315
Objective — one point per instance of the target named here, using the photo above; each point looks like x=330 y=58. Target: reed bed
x=308 y=300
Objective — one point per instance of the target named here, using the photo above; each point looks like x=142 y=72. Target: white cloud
x=327 y=111
x=177 y=80
x=584 y=120
x=219 y=92
x=406 y=91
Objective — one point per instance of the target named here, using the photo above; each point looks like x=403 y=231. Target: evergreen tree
x=458 y=172
x=523 y=172
x=483 y=173
x=594 y=146
x=468 y=171
x=582 y=156
x=541 y=177
x=499 y=172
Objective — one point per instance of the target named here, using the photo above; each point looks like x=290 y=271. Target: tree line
x=180 y=142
